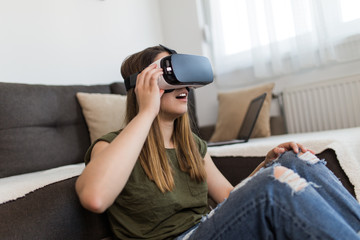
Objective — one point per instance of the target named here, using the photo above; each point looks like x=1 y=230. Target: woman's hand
x=275 y=153
x=147 y=91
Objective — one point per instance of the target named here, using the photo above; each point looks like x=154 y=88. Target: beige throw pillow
x=232 y=109
x=103 y=112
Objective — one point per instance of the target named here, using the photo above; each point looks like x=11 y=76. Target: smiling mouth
x=181 y=96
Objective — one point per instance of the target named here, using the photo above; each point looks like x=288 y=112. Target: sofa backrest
x=42 y=126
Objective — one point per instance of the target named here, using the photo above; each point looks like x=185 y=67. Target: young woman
x=154 y=176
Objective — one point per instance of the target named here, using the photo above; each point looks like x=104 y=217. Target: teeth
x=182 y=95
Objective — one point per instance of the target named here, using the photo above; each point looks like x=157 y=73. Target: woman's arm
x=219 y=187
x=111 y=164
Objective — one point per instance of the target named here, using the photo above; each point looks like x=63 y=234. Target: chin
x=171 y=115
x=183 y=112
x=179 y=114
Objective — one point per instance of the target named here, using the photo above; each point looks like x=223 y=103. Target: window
x=349 y=10
x=275 y=37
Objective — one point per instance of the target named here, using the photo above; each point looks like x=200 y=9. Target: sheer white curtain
x=278 y=37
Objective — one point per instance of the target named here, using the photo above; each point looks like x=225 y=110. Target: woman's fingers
x=154 y=78
x=147 y=80
x=274 y=153
x=296 y=147
x=302 y=148
x=143 y=79
x=277 y=151
x=147 y=90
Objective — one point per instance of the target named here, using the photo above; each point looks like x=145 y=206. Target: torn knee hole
x=289 y=177
x=309 y=157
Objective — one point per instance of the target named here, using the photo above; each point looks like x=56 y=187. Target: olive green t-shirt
x=142 y=211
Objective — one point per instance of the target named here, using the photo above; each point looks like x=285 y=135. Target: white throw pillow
x=103 y=113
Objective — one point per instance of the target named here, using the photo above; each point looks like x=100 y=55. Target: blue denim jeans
x=313 y=205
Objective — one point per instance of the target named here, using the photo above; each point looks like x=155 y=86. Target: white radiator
x=327 y=105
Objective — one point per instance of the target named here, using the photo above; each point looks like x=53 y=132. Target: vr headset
x=179 y=70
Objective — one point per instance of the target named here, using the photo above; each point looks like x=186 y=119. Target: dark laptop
x=248 y=124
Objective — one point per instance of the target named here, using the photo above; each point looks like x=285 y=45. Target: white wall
x=85 y=41
x=180 y=25
x=73 y=41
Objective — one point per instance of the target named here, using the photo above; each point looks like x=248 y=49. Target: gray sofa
x=42 y=127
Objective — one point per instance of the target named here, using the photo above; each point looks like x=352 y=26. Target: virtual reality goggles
x=179 y=70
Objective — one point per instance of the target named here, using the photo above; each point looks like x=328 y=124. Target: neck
x=167 y=129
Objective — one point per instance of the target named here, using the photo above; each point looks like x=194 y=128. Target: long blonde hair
x=153 y=156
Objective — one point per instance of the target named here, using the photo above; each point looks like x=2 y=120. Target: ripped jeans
x=296 y=197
